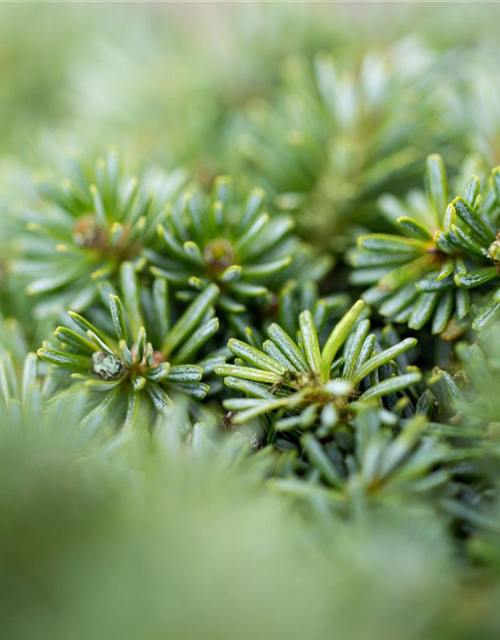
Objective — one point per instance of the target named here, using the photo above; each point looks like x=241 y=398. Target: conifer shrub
x=250 y=348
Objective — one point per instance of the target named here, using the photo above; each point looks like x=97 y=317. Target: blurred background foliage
x=327 y=107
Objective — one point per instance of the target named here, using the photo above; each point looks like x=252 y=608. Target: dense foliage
x=249 y=323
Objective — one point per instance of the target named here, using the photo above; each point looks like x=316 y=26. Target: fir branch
x=305 y=384
x=336 y=136
x=446 y=249
x=236 y=245
x=148 y=359
x=84 y=226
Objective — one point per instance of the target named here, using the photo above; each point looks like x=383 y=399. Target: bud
x=107 y=366
x=494 y=251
